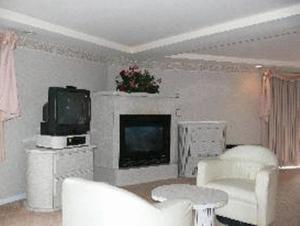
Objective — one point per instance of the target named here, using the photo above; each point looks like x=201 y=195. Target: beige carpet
x=288 y=207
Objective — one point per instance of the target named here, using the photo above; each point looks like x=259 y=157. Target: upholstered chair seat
x=248 y=174
x=100 y=204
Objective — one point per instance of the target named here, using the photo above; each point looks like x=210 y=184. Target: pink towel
x=9 y=105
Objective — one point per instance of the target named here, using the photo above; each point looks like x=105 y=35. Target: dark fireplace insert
x=144 y=140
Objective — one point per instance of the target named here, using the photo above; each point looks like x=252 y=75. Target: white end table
x=204 y=200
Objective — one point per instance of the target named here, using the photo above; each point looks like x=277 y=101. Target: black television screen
x=72 y=107
x=68 y=111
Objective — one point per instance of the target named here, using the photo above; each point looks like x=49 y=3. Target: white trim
x=289 y=167
x=14 y=198
x=222 y=27
x=41 y=24
x=219 y=58
x=139 y=94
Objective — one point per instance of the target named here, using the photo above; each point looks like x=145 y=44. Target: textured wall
x=35 y=72
x=214 y=95
x=205 y=95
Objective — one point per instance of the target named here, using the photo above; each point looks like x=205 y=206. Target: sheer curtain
x=281 y=116
x=9 y=107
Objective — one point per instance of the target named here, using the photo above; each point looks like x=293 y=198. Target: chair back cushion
x=251 y=153
x=244 y=161
x=240 y=169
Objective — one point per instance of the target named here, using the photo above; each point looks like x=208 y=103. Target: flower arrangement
x=135 y=80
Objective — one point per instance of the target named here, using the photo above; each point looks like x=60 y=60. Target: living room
x=211 y=59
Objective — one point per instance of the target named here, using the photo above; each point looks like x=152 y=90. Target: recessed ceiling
x=285 y=44
x=166 y=27
x=137 y=22
x=275 y=43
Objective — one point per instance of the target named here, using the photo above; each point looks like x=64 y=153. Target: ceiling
x=254 y=31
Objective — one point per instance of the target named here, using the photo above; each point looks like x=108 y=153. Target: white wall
x=35 y=72
x=213 y=95
x=205 y=95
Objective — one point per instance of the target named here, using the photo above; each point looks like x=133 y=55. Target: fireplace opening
x=144 y=140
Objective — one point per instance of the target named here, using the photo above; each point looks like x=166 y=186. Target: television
x=67 y=112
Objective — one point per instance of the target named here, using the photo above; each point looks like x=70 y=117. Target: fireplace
x=144 y=140
x=125 y=155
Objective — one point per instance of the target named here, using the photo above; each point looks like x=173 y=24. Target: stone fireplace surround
x=105 y=134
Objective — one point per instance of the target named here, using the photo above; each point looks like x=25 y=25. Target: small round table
x=204 y=200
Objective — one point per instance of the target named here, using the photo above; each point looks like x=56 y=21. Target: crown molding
x=185 y=62
x=70 y=52
x=41 y=24
x=218 y=28
x=253 y=39
x=238 y=60
x=196 y=65
x=222 y=27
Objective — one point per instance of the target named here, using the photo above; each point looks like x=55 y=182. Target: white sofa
x=248 y=174
x=99 y=204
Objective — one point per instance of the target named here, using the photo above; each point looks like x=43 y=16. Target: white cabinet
x=199 y=140
x=46 y=170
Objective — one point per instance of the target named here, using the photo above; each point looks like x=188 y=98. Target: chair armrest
x=266 y=190
x=176 y=212
x=95 y=203
x=209 y=170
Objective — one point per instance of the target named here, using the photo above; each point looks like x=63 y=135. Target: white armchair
x=248 y=174
x=99 y=204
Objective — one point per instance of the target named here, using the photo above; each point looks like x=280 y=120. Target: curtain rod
x=288 y=76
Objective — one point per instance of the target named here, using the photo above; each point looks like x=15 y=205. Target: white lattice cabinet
x=199 y=140
x=46 y=170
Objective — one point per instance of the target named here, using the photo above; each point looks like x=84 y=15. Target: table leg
x=205 y=217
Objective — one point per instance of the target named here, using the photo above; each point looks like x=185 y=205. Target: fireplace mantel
x=106 y=110
x=137 y=94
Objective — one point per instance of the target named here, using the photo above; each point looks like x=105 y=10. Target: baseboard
x=14 y=198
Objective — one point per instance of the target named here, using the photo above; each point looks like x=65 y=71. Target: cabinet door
x=199 y=140
x=58 y=181
x=73 y=160
x=39 y=180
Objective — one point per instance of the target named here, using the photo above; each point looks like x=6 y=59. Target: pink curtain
x=9 y=106
x=280 y=112
x=265 y=107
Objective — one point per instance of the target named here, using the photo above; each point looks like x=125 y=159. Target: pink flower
x=133 y=67
x=137 y=80
x=122 y=88
x=123 y=73
x=131 y=83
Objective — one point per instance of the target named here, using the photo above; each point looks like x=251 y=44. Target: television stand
x=60 y=142
x=46 y=171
